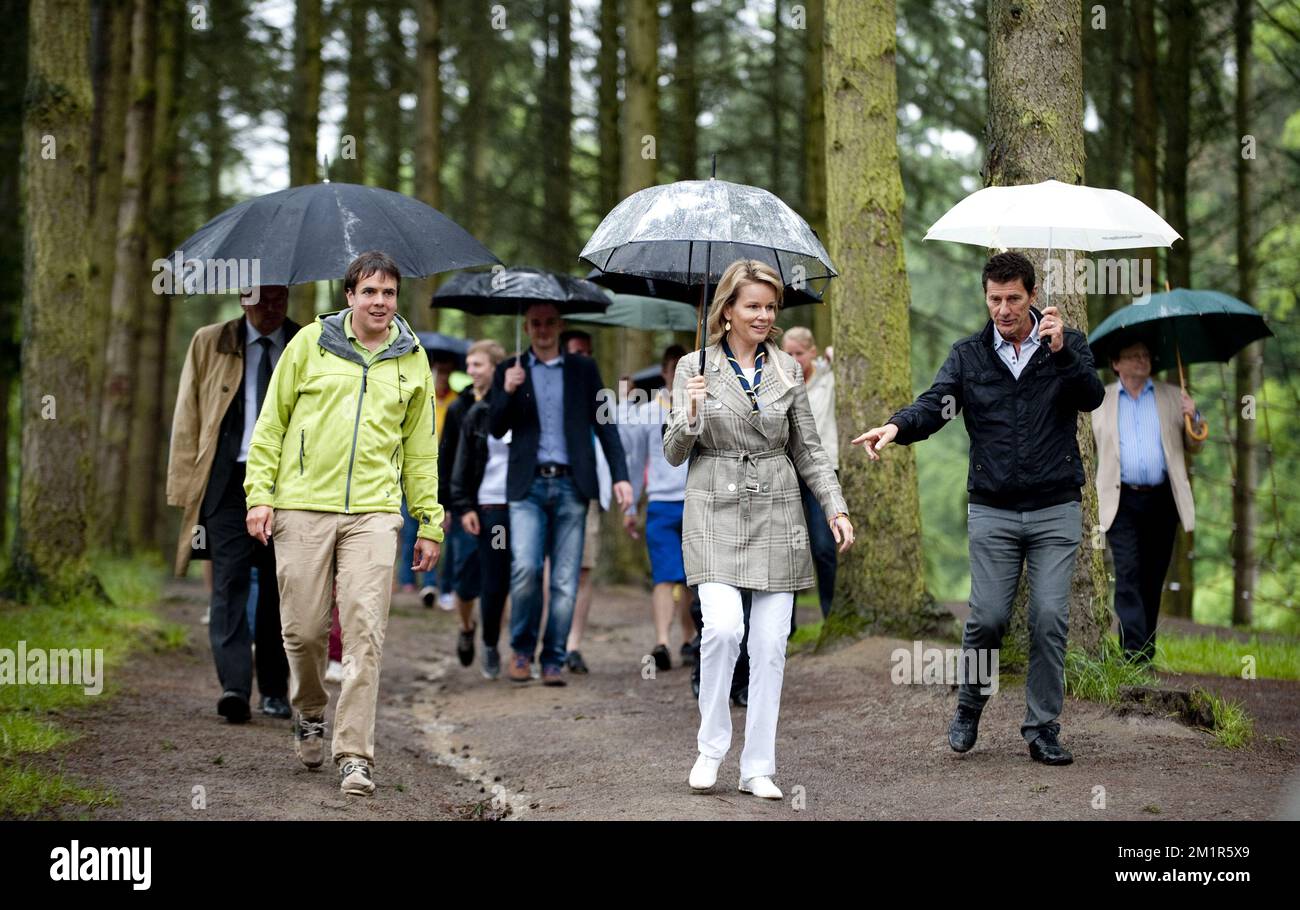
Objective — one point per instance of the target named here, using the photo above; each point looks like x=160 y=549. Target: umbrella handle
x=1204 y=432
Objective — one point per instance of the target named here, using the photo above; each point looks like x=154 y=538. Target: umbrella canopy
x=645 y=313
x=676 y=290
x=649 y=379
x=1199 y=326
x=690 y=231
x=436 y=343
x=1054 y=215
x=508 y=292
x=312 y=233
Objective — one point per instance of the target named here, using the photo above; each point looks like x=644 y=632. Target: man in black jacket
x=461 y=546
x=1021 y=382
x=550 y=402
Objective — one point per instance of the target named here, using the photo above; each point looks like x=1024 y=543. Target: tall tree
x=607 y=110
x=1035 y=133
x=686 y=90
x=814 y=146
x=557 y=139
x=881 y=581
x=13 y=80
x=392 y=118
x=304 y=121
x=145 y=478
x=130 y=275
x=776 y=104
x=353 y=149
x=1146 y=122
x=428 y=142
x=1250 y=366
x=55 y=495
x=1177 y=111
x=640 y=132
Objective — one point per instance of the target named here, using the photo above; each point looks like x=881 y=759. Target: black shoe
x=1048 y=750
x=233 y=707
x=274 y=706
x=740 y=697
x=688 y=654
x=575 y=663
x=465 y=646
x=963 y=730
x=662 y=660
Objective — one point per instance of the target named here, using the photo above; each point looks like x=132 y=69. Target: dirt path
x=615 y=745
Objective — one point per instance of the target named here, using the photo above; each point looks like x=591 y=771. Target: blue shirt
x=253 y=362
x=548 y=386
x=1007 y=351
x=1141 y=454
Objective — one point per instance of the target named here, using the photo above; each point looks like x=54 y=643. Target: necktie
x=263 y=371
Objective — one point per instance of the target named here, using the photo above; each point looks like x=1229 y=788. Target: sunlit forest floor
x=614 y=745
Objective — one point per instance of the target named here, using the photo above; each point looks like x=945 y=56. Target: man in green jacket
x=346 y=426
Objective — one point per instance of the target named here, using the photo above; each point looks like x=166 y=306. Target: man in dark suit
x=550 y=402
x=227 y=372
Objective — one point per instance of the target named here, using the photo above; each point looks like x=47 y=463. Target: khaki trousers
x=314 y=552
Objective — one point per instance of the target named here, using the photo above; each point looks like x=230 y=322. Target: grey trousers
x=1046 y=541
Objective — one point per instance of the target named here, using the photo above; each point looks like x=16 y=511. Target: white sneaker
x=761 y=787
x=446 y=601
x=705 y=773
x=428 y=594
x=334 y=672
x=207 y=616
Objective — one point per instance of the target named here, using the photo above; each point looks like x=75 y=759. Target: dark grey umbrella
x=508 y=292
x=312 y=233
x=436 y=343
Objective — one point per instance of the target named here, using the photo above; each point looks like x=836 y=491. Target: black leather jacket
x=471 y=457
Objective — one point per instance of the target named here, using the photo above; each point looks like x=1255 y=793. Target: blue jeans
x=822 y=542
x=410 y=530
x=550 y=521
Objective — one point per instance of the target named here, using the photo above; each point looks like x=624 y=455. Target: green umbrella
x=1180 y=326
x=649 y=314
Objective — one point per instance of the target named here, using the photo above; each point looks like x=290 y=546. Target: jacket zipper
x=302 y=450
x=356 y=426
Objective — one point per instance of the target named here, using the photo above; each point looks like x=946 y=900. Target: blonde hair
x=738 y=274
x=800 y=334
x=495 y=353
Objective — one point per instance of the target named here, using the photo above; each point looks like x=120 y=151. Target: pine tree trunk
x=108 y=129
x=640 y=129
x=1250 y=366
x=880 y=585
x=13 y=81
x=686 y=86
x=1180 y=590
x=557 y=140
x=130 y=281
x=1035 y=133
x=391 y=113
x=350 y=167
x=607 y=110
x=476 y=175
x=814 y=151
x=304 y=121
x=55 y=495
x=428 y=145
x=1145 y=124
x=776 y=105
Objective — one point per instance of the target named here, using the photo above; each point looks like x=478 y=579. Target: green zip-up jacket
x=336 y=434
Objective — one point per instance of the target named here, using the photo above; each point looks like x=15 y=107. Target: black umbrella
x=438 y=345
x=312 y=233
x=508 y=292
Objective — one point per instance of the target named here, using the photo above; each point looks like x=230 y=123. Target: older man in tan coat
x=227 y=371
x=1142 y=488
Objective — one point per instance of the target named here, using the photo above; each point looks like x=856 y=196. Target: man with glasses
x=1142 y=488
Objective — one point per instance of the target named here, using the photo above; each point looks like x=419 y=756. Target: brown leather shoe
x=521 y=668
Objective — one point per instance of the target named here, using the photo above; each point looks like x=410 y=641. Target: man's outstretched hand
x=876 y=439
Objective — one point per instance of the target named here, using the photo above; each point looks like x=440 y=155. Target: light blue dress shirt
x=548 y=387
x=1141 y=454
x=252 y=360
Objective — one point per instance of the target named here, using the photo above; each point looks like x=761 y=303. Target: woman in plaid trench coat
x=746 y=427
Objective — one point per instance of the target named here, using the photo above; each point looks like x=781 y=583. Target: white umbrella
x=1052 y=214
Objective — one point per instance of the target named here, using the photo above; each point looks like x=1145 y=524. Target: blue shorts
x=663 y=538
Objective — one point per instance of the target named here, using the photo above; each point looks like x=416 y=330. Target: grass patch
x=805 y=636
x=1233 y=727
x=1214 y=656
x=1100 y=678
x=82 y=621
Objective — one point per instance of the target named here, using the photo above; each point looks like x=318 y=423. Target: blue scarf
x=740 y=374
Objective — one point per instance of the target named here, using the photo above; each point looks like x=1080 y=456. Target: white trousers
x=724 y=626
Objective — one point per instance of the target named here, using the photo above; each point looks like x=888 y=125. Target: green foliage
x=1273 y=658
x=1100 y=678
x=1233 y=727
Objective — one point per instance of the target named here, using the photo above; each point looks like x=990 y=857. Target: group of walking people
x=294 y=449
